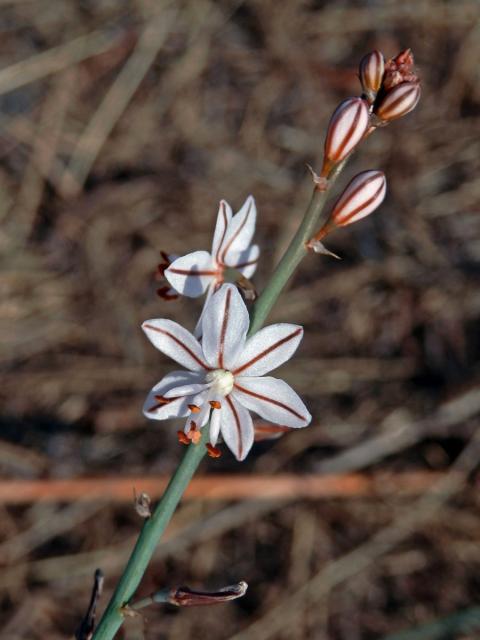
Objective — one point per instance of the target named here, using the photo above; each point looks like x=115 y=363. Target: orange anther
x=194 y=408
x=162 y=399
x=215 y=404
x=212 y=451
x=195 y=436
x=183 y=438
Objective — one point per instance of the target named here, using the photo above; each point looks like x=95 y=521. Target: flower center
x=221 y=381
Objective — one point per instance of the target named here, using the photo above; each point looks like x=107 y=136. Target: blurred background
x=123 y=123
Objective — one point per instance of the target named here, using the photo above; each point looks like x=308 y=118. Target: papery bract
x=347 y=127
x=225 y=377
x=399 y=69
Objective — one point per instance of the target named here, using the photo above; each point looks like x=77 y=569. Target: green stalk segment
x=151 y=533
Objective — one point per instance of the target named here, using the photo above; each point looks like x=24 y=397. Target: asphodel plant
x=222 y=381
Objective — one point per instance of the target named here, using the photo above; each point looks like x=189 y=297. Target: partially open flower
x=371 y=74
x=399 y=101
x=399 y=69
x=347 y=127
x=362 y=195
x=232 y=252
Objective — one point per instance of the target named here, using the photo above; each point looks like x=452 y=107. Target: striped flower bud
x=398 y=101
x=347 y=127
x=362 y=195
x=371 y=74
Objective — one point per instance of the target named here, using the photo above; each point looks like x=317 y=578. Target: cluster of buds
x=390 y=90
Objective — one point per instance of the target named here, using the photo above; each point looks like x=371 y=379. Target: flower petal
x=156 y=410
x=272 y=399
x=190 y=275
x=197 y=332
x=225 y=325
x=240 y=230
x=186 y=390
x=223 y=219
x=245 y=261
x=215 y=424
x=176 y=342
x=268 y=349
x=237 y=427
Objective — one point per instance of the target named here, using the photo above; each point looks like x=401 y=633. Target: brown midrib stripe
x=225 y=222
x=267 y=351
x=350 y=131
x=180 y=343
x=364 y=205
x=398 y=100
x=234 y=237
x=223 y=332
x=192 y=272
x=266 y=399
x=237 y=424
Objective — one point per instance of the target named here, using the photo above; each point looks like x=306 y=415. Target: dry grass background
x=123 y=124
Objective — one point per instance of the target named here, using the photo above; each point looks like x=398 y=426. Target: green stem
x=293 y=255
x=155 y=526
x=151 y=533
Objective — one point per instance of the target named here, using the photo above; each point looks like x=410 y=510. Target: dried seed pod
x=362 y=195
x=371 y=74
x=347 y=127
x=399 y=101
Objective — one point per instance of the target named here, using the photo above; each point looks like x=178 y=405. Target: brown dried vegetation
x=123 y=124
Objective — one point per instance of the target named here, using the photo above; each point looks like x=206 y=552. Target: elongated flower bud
x=347 y=127
x=371 y=74
x=362 y=195
x=398 y=101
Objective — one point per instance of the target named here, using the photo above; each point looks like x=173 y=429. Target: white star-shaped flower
x=224 y=378
x=201 y=271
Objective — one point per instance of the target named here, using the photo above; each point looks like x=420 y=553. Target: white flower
x=201 y=271
x=225 y=378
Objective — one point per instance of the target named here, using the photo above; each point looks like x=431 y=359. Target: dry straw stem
x=219 y=487
x=55 y=59
x=118 y=97
x=285 y=614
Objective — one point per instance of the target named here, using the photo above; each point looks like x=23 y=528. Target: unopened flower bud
x=362 y=195
x=347 y=127
x=398 y=101
x=371 y=74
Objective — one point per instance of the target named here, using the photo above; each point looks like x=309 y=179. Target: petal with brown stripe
x=223 y=220
x=156 y=410
x=240 y=230
x=272 y=399
x=268 y=349
x=225 y=325
x=191 y=275
x=176 y=342
x=236 y=427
